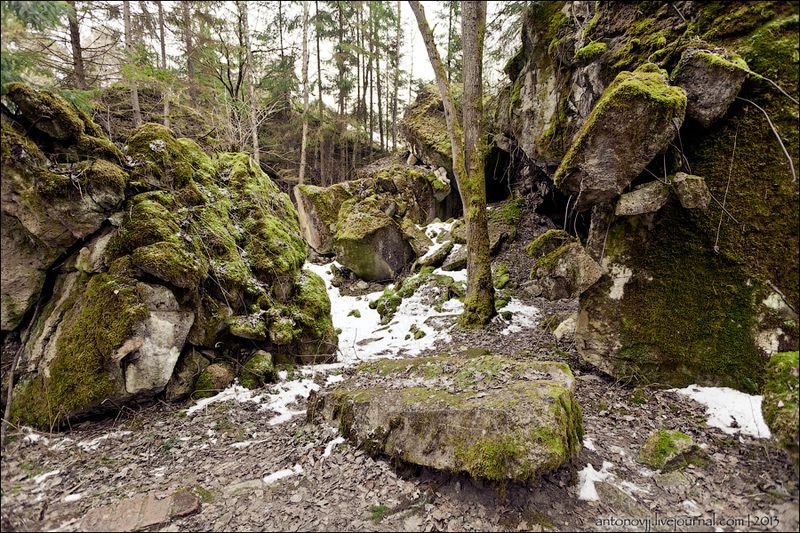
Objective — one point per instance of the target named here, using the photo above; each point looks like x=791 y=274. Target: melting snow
x=94 y=444
x=286 y=394
x=587 y=478
x=281 y=474
x=72 y=497
x=522 y=316
x=730 y=410
x=42 y=477
x=588 y=444
x=234 y=392
x=331 y=445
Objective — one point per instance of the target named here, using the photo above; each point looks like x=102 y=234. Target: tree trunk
x=340 y=58
x=77 y=51
x=369 y=68
x=251 y=80
x=449 y=40
x=302 y=174
x=319 y=96
x=187 y=41
x=378 y=78
x=479 y=300
x=396 y=77
x=126 y=14
x=163 y=60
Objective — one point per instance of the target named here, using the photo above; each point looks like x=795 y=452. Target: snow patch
x=43 y=477
x=94 y=444
x=234 y=392
x=281 y=474
x=331 y=445
x=587 y=478
x=730 y=410
x=72 y=497
x=620 y=275
x=588 y=444
x=285 y=394
x=523 y=317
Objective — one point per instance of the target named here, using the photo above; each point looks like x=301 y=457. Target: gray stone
x=489 y=416
x=648 y=198
x=566 y=272
x=140 y=512
x=711 y=78
x=635 y=119
x=188 y=368
x=692 y=191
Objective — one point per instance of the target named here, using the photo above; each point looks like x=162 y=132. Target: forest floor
x=252 y=462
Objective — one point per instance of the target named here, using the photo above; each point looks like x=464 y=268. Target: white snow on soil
x=281 y=474
x=588 y=444
x=730 y=410
x=94 y=444
x=234 y=392
x=331 y=445
x=587 y=478
x=43 y=477
x=286 y=394
x=523 y=317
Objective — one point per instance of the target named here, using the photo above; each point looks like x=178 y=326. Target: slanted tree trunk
x=479 y=300
x=126 y=15
x=77 y=51
x=163 y=59
x=251 y=80
x=303 y=145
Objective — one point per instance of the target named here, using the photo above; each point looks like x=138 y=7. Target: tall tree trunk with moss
x=468 y=153
x=77 y=50
x=251 y=80
x=126 y=15
x=480 y=291
x=161 y=32
x=304 y=143
x=378 y=75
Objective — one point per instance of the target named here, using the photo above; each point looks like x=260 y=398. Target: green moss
x=427 y=122
x=509 y=213
x=390 y=300
x=51 y=114
x=501 y=276
x=591 y=51
x=310 y=310
x=204 y=386
x=780 y=405
x=646 y=85
x=83 y=372
x=102 y=174
x=258 y=371
x=664 y=446
x=547 y=242
x=355 y=313
x=163 y=160
x=17 y=149
x=495 y=457
x=592 y=24
x=171 y=262
x=378 y=513
x=97 y=147
x=146 y=222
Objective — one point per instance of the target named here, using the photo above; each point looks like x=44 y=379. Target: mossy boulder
x=711 y=78
x=647 y=198
x=780 y=404
x=635 y=119
x=668 y=450
x=369 y=241
x=565 y=272
x=691 y=191
x=318 y=208
x=188 y=368
x=258 y=370
x=136 y=332
x=214 y=379
x=162 y=161
x=310 y=310
x=505 y=419
x=425 y=128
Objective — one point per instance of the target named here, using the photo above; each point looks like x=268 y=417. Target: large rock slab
x=490 y=416
x=318 y=209
x=647 y=198
x=425 y=128
x=563 y=268
x=635 y=119
x=141 y=512
x=711 y=78
x=370 y=242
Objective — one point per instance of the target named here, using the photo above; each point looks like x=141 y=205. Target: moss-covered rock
x=311 y=311
x=591 y=51
x=646 y=198
x=318 y=208
x=370 y=242
x=691 y=191
x=529 y=426
x=564 y=272
x=669 y=450
x=425 y=128
x=635 y=119
x=161 y=161
x=212 y=380
x=780 y=404
x=258 y=370
x=51 y=115
x=170 y=262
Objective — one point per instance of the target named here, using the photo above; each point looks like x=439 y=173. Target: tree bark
x=77 y=50
x=479 y=300
x=319 y=96
x=371 y=20
x=378 y=77
x=396 y=77
x=303 y=145
x=126 y=14
x=188 y=44
x=163 y=60
x=251 y=79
